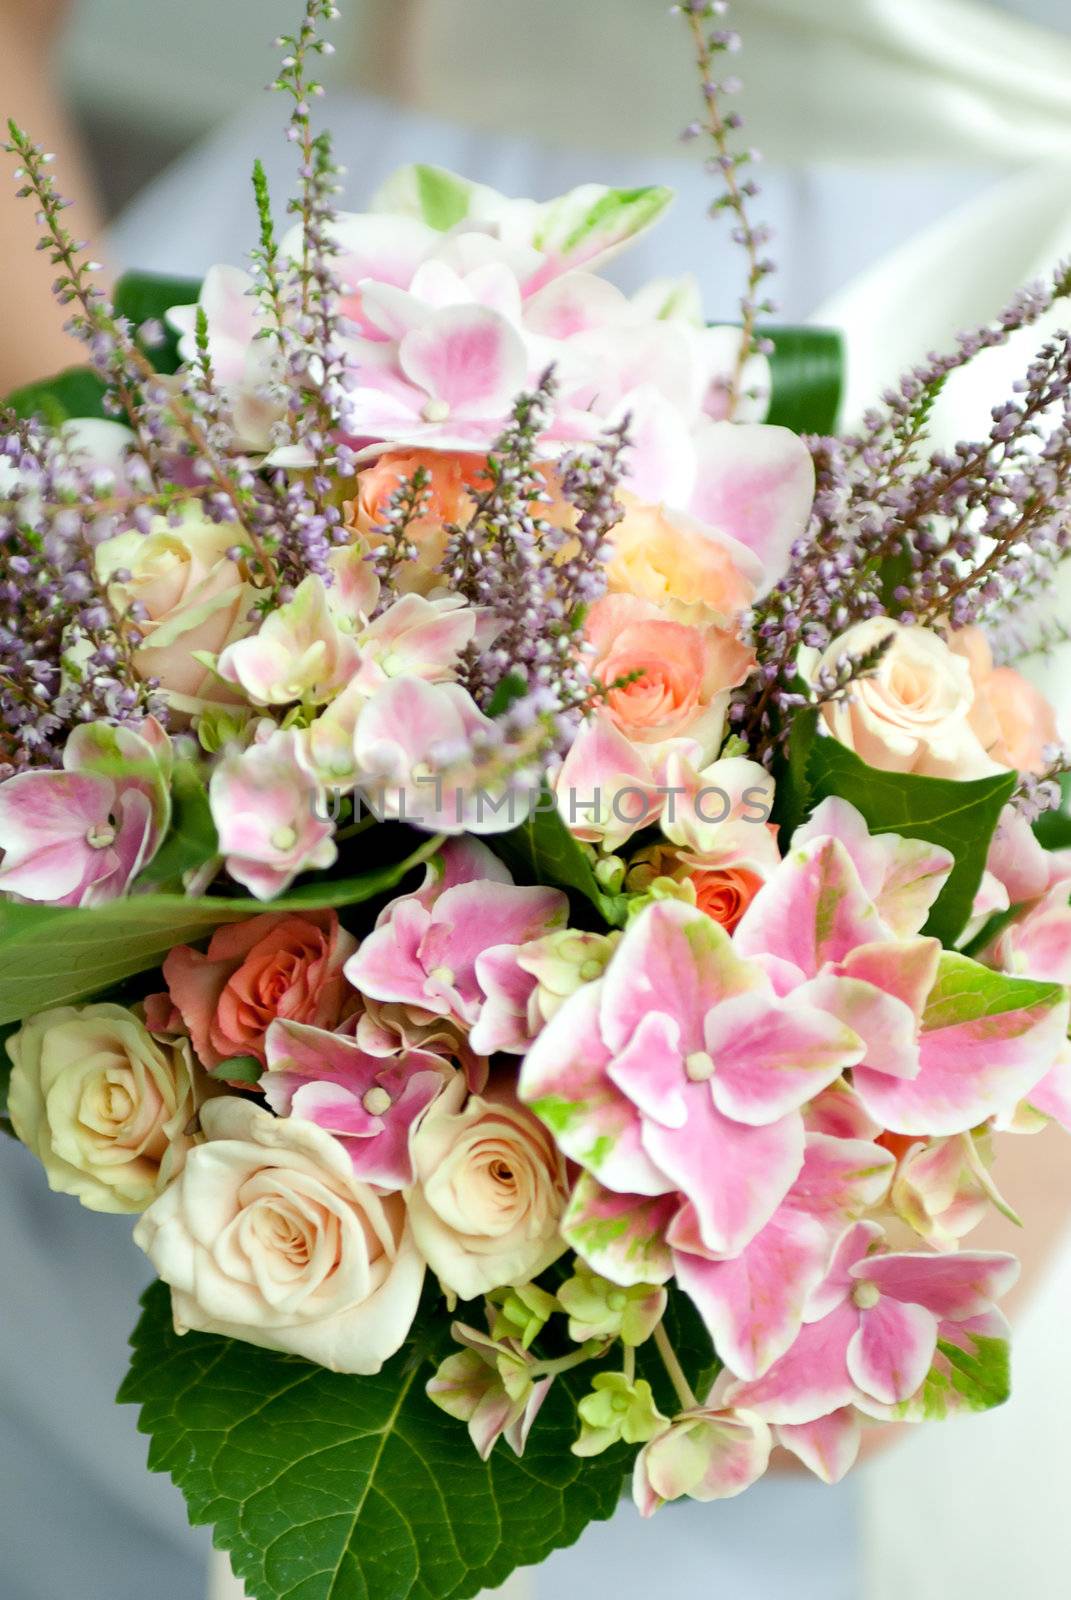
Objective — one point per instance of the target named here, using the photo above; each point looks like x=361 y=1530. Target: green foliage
x=542 y=850
x=328 y=1487
x=54 y=955
x=192 y=839
x=961 y=817
x=808 y=378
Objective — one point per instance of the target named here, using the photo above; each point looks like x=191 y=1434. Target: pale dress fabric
x=79 y=1516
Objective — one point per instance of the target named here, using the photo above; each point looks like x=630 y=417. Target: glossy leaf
x=55 y=955
x=542 y=850
x=807 y=366
x=323 y=1486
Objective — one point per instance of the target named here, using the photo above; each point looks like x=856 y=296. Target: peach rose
x=681 y=674
x=104 y=1106
x=268 y=1237
x=1013 y=720
x=448 y=497
x=691 y=572
x=914 y=714
x=490 y=1191
x=276 y=965
x=194 y=599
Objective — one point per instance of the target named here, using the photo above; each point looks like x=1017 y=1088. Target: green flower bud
x=617 y=1408
x=599 y=1309
x=521 y=1313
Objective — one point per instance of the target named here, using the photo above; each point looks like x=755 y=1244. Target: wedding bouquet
x=519 y=866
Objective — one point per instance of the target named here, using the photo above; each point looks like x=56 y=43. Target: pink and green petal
x=986 y=1040
x=753 y=1304
x=811 y=911
x=736 y=1176
x=620 y=1236
x=828 y=1446
x=892 y=1349
x=770 y=1056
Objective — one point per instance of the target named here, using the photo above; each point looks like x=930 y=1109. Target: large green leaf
x=961 y=817
x=54 y=955
x=328 y=1487
x=542 y=850
x=808 y=378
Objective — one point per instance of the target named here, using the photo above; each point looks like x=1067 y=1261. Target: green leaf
x=147 y=297
x=192 y=839
x=76 y=392
x=238 y=1069
x=323 y=1486
x=792 y=783
x=542 y=850
x=961 y=817
x=55 y=955
x=808 y=378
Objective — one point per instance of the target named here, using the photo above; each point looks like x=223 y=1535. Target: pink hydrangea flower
x=372 y=1103
x=682 y=1072
x=754 y=1303
x=947 y=1045
x=412 y=744
x=269 y=815
x=871 y=1327
x=80 y=836
x=425 y=951
x=705 y=1454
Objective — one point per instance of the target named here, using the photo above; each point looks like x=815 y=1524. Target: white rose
x=194 y=600
x=490 y=1191
x=268 y=1237
x=912 y=714
x=103 y=1105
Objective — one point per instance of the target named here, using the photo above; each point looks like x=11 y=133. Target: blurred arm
x=32 y=341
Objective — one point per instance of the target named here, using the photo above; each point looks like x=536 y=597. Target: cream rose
x=194 y=599
x=104 y=1106
x=490 y=1191
x=914 y=713
x=267 y=1237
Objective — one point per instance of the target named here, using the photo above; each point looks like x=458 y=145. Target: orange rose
x=680 y=675
x=1013 y=719
x=692 y=573
x=272 y=966
x=725 y=893
x=448 y=500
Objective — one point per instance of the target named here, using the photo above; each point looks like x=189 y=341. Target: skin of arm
x=32 y=341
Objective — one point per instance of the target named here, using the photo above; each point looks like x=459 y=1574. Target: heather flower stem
x=698 y=15
x=681 y=1386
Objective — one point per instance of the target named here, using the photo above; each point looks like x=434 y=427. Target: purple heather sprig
x=711 y=44
x=946 y=538
x=66 y=655
x=405 y=505
x=534 y=578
